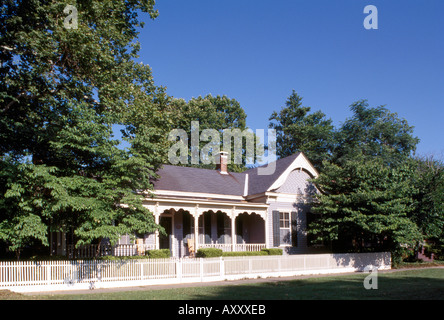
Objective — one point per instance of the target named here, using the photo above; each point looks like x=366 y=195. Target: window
x=285 y=228
x=284 y=220
x=285 y=231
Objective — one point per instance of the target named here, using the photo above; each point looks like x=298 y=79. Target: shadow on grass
x=421 y=284
x=409 y=285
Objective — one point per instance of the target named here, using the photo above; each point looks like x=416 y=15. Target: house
x=244 y=211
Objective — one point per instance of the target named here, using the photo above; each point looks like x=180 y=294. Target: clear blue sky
x=258 y=51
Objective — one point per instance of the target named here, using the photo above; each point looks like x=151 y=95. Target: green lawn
x=406 y=284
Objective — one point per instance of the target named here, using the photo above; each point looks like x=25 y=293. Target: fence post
x=179 y=269
x=221 y=267
x=48 y=272
x=201 y=269
x=99 y=270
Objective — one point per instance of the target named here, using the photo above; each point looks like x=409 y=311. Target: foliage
x=61 y=94
x=366 y=204
x=368 y=190
x=221 y=114
x=428 y=214
x=297 y=130
x=208 y=253
x=374 y=132
x=429 y=211
x=159 y=254
x=273 y=251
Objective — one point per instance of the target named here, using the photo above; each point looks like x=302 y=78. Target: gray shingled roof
x=189 y=179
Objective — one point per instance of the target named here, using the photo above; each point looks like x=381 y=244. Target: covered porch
x=208 y=224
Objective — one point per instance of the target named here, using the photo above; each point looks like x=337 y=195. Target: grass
x=418 y=284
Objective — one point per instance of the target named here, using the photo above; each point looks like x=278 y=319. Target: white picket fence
x=69 y=275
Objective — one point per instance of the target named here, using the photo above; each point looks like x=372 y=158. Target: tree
x=374 y=132
x=428 y=213
x=61 y=92
x=298 y=130
x=221 y=114
x=367 y=189
x=366 y=205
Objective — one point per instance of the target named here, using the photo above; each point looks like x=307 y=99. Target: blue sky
x=258 y=51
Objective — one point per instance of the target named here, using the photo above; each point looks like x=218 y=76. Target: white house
x=245 y=211
x=233 y=211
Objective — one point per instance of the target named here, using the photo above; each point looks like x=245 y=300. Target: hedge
x=158 y=254
x=244 y=253
x=273 y=251
x=213 y=252
x=209 y=253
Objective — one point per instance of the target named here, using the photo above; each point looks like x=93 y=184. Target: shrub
x=273 y=251
x=158 y=253
x=244 y=253
x=209 y=253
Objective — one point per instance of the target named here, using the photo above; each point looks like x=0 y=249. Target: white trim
x=185 y=194
x=246 y=185
x=179 y=202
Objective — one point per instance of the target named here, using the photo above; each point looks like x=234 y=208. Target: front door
x=165 y=240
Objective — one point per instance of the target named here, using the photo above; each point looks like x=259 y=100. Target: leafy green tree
x=366 y=205
x=374 y=132
x=62 y=90
x=429 y=201
x=219 y=113
x=299 y=130
x=368 y=191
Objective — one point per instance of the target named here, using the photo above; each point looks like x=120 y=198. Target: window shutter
x=294 y=229
x=276 y=229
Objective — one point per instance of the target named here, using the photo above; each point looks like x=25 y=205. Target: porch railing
x=119 y=250
x=237 y=247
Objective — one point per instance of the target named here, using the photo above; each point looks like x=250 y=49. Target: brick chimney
x=222 y=164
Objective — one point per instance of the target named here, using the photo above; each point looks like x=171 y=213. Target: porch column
x=156 y=220
x=196 y=228
x=233 y=229
x=267 y=232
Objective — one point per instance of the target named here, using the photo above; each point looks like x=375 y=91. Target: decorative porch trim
x=196 y=207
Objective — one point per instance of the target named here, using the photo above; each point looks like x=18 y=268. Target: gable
x=283 y=168
x=297 y=182
x=258 y=183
